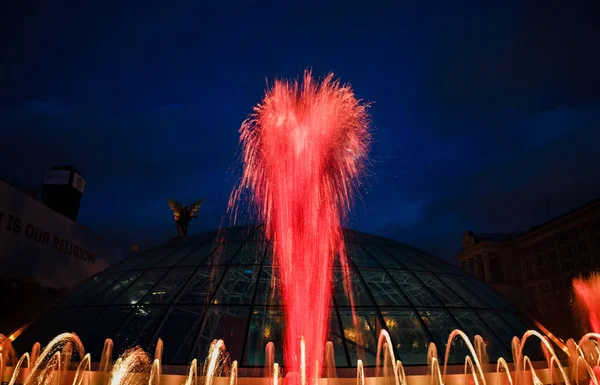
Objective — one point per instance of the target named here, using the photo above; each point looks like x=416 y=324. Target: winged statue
x=184 y=214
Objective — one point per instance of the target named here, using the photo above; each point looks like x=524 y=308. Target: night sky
x=478 y=112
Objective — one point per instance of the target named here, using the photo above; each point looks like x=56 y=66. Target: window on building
x=556 y=285
x=586 y=260
x=497 y=270
x=540 y=260
x=568 y=264
x=530 y=271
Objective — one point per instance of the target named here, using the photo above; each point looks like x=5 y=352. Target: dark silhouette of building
x=44 y=251
x=534 y=269
x=62 y=190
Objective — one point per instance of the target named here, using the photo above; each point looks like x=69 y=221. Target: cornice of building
x=579 y=214
x=481 y=247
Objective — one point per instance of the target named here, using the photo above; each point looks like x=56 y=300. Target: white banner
x=78 y=182
x=57 y=177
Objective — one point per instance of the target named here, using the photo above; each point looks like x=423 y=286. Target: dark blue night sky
x=478 y=114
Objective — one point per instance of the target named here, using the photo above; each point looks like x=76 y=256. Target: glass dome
x=193 y=290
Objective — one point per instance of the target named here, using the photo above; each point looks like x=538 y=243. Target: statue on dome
x=183 y=214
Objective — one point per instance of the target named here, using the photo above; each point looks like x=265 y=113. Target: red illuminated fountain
x=303 y=151
x=587 y=292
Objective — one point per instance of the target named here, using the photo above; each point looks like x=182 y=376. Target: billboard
x=78 y=182
x=38 y=242
x=57 y=177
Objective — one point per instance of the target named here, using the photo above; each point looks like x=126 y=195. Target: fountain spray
x=303 y=150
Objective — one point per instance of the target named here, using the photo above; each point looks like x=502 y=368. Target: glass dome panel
x=514 y=320
x=472 y=324
x=384 y=257
x=361 y=296
x=489 y=296
x=190 y=292
x=441 y=291
x=200 y=289
x=179 y=319
x=251 y=253
x=105 y=326
x=414 y=289
x=462 y=291
x=268 y=291
x=134 y=260
x=402 y=256
x=116 y=289
x=168 y=287
x=440 y=324
x=151 y=261
x=268 y=261
x=383 y=288
x=408 y=335
x=236 y=234
x=265 y=326
x=424 y=260
x=337 y=339
x=176 y=256
x=219 y=321
x=197 y=256
x=139 y=328
x=223 y=255
x=181 y=357
x=90 y=288
x=136 y=291
x=361 y=257
x=362 y=337
x=503 y=330
x=237 y=287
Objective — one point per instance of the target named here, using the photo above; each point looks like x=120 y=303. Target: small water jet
x=134 y=367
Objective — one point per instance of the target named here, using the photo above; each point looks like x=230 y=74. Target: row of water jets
x=135 y=367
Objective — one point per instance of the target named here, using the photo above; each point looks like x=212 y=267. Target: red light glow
x=303 y=151
x=587 y=293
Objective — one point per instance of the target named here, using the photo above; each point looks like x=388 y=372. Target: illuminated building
x=193 y=290
x=534 y=270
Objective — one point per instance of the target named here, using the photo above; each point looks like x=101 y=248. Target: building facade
x=42 y=254
x=534 y=269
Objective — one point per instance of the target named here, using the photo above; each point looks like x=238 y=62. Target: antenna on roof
x=547 y=207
